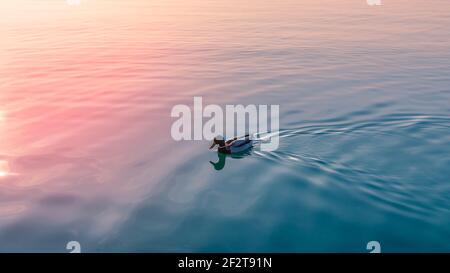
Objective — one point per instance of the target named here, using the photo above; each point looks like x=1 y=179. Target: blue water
x=364 y=150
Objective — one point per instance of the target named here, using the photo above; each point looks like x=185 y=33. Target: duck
x=232 y=146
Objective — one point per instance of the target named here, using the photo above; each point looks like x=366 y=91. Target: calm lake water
x=86 y=153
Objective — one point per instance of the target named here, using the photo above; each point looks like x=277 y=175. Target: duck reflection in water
x=220 y=164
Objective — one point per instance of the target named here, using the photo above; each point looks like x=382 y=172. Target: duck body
x=238 y=146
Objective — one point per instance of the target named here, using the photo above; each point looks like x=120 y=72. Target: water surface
x=86 y=153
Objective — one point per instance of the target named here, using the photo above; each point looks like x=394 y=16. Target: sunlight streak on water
x=4 y=168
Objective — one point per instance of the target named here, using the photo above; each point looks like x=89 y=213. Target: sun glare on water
x=4 y=168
